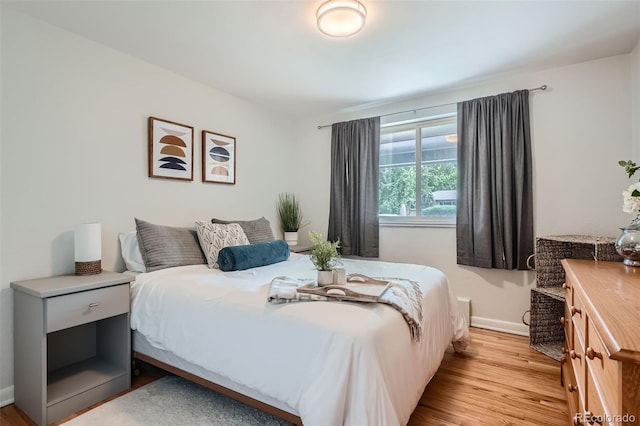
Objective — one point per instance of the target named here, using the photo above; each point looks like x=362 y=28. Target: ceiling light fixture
x=341 y=18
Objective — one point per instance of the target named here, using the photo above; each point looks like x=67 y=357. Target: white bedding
x=333 y=362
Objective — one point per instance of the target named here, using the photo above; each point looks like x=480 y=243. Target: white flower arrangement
x=631 y=197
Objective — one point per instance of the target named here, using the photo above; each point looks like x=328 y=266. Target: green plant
x=439 y=210
x=629 y=166
x=290 y=212
x=324 y=254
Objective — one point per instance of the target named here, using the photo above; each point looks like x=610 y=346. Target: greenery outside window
x=418 y=172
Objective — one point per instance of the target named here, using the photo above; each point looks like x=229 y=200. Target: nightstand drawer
x=86 y=306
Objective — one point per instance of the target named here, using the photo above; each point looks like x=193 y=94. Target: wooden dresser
x=601 y=363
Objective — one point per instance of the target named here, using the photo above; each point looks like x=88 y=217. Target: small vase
x=291 y=238
x=628 y=245
x=325 y=278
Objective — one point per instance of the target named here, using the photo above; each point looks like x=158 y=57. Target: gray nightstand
x=301 y=248
x=72 y=343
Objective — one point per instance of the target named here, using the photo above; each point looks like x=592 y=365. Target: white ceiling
x=271 y=53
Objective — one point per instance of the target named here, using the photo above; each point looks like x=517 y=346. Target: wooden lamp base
x=93 y=267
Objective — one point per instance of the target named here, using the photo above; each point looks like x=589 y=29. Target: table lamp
x=88 y=248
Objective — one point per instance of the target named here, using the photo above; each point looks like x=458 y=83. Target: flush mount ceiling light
x=341 y=18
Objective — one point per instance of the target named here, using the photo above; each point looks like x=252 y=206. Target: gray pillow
x=257 y=231
x=166 y=246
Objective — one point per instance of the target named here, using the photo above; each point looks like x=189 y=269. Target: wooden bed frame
x=285 y=415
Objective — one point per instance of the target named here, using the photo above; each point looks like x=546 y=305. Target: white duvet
x=335 y=363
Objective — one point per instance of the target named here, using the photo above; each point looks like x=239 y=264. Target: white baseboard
x=498 y=325
x=6 y=396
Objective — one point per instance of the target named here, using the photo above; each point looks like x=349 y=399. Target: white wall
x=581 y=127
x=74 y=149
x=635 y=93
x=6 y=329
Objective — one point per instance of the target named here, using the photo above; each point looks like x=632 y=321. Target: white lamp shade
x=88 y=242
x=341 y=18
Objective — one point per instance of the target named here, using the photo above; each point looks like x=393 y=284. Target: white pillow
x=131 y=251
x=216 y=236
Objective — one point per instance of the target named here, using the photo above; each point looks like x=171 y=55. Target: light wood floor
x=499 y=380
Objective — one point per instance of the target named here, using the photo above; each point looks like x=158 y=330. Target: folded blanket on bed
x=239 y=258
x=403 y=295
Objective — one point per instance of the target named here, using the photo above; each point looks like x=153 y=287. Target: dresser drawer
x=79 y=308
x=579 y=418
x=578 y=317
x=570 y=386
x=568 y=291
x=577 y=359
x=568 y=326
x=595 y=411
x=605 y=371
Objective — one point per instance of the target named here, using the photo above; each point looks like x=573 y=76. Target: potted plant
x=290 y=217
x=324 y=256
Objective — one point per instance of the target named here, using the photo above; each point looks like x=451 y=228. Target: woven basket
x=545 y=319
x=551 y=250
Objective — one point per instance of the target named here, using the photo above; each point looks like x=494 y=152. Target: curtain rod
x=535 y=89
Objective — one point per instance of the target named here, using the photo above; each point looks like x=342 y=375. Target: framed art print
x=218 y=158
x=170 y=150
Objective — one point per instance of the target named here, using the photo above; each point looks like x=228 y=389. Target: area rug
x=171 y=401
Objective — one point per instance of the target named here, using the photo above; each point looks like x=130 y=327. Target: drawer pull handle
x=562 y=320
x=566 y=286
x=572 y=388
x=575 y=310
x=564 y=350
x=591 y=354
x=573 y=354
x=93 y=305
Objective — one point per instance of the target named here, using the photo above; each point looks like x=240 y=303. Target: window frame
x=419 y=221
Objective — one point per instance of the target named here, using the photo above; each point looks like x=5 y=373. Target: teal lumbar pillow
x=239 y=258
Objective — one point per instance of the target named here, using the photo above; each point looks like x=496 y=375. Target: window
x=418 y=172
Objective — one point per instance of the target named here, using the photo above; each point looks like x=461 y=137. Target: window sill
x=412 y=222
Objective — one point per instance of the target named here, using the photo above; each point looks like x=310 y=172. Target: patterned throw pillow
x=216 y=236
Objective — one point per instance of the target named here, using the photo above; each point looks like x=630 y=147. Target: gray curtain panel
x=353 y=212
x=495 y=196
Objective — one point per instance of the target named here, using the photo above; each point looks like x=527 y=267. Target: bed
x=317 y=363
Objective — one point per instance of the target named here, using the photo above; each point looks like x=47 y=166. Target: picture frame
x=218 y=158
x=170 y=150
